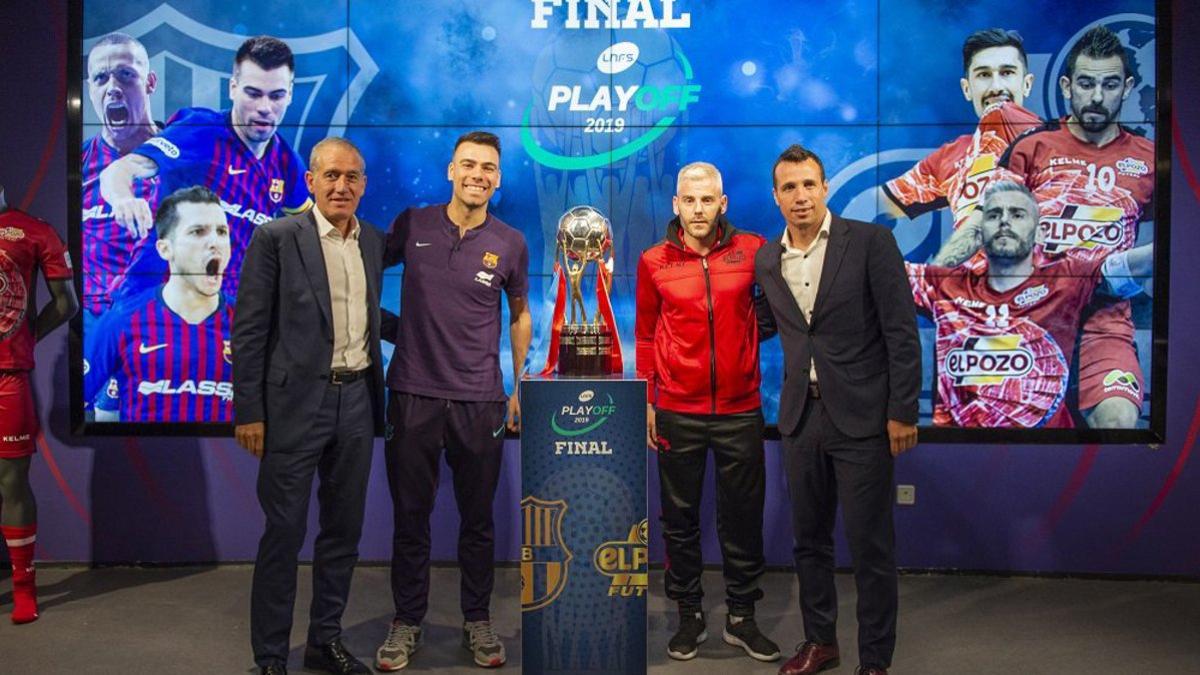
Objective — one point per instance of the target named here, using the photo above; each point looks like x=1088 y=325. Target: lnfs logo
x=597 y=103
x=193 y=62
x=545 y=558
x=585 y=416
x=625 y=562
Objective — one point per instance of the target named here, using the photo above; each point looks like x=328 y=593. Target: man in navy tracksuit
x=697 y=347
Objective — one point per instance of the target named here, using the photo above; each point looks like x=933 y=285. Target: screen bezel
x=1155 y=433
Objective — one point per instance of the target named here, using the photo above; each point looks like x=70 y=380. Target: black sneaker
x=686 y=642
x=745 y=634
x=332 y=658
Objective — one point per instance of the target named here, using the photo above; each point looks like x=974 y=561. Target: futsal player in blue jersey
x=167 y=350
x=119 y=84
x=237 y=153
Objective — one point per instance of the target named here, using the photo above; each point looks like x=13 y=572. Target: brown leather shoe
x=812 y=658
x=862 y=670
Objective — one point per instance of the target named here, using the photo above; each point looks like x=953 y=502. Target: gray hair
x=1002 y=186
x=699 y=170
x=330 y=142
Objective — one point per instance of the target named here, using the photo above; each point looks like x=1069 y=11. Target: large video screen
x=1045 y=327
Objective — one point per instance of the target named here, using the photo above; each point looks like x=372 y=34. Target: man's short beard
x=711 y=227
x=1022 y=252
x=1094 y=127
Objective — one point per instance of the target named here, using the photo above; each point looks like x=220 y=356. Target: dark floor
x=189 y=620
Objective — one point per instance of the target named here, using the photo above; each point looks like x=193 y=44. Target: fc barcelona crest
x=490 y=260
x=276 y=189
x=227 y=353
x=545 y=558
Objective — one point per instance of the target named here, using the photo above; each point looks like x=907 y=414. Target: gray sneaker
x=481 y=639
x=402 y=640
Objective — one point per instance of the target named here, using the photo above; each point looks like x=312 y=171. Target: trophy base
x=585 y=350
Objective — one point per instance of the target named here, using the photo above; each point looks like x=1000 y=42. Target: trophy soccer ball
x=584 y=234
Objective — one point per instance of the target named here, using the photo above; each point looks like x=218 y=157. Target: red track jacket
x=696 y=332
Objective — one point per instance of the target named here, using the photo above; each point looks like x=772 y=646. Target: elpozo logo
x=583 y=416
x=622 y=97
x=1132 y=166
x=988 y=360
x=1083 y=226
x=1029 y=296
x=625 y=561
x=545 y=558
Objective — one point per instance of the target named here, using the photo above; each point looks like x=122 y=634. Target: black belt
x=346 y=376
x=814 y=390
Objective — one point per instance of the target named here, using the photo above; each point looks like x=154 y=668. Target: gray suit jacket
x=863 y=334
x=283 y=328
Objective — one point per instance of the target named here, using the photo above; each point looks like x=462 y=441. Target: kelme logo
x=587 y=415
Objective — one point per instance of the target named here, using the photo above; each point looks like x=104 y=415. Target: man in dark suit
x=852 y=370
x=308 y=397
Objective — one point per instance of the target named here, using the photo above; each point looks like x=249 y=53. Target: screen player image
x=119 y=85
x=237 y=153
x=996 y=80
x=166 y=353
x=1094 y=184
x=1006 y=332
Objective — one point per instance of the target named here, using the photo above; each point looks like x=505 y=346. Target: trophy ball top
x=584 y=233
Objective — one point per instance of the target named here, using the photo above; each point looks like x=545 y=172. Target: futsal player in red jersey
x=1006 y=331
x=1094 y=183
x=26 y=245
x=996 y=80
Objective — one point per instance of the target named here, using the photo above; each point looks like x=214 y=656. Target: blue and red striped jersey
x=107 y=246
x=200 y=147
x=165 y=369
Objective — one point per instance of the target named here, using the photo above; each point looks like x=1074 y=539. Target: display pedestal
x=583 y=549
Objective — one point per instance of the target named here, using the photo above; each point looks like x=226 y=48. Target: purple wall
x=1129 y=510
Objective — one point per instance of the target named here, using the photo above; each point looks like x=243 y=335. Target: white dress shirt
x=801 y=269
x=347 y=293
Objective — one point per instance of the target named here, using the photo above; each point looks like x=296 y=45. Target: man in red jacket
x=697 y=347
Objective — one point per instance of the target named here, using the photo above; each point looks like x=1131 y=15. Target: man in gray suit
x=308 y=398
x=852 y=371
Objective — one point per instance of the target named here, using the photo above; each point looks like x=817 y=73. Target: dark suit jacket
x=863 y=335
x=283 y=328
